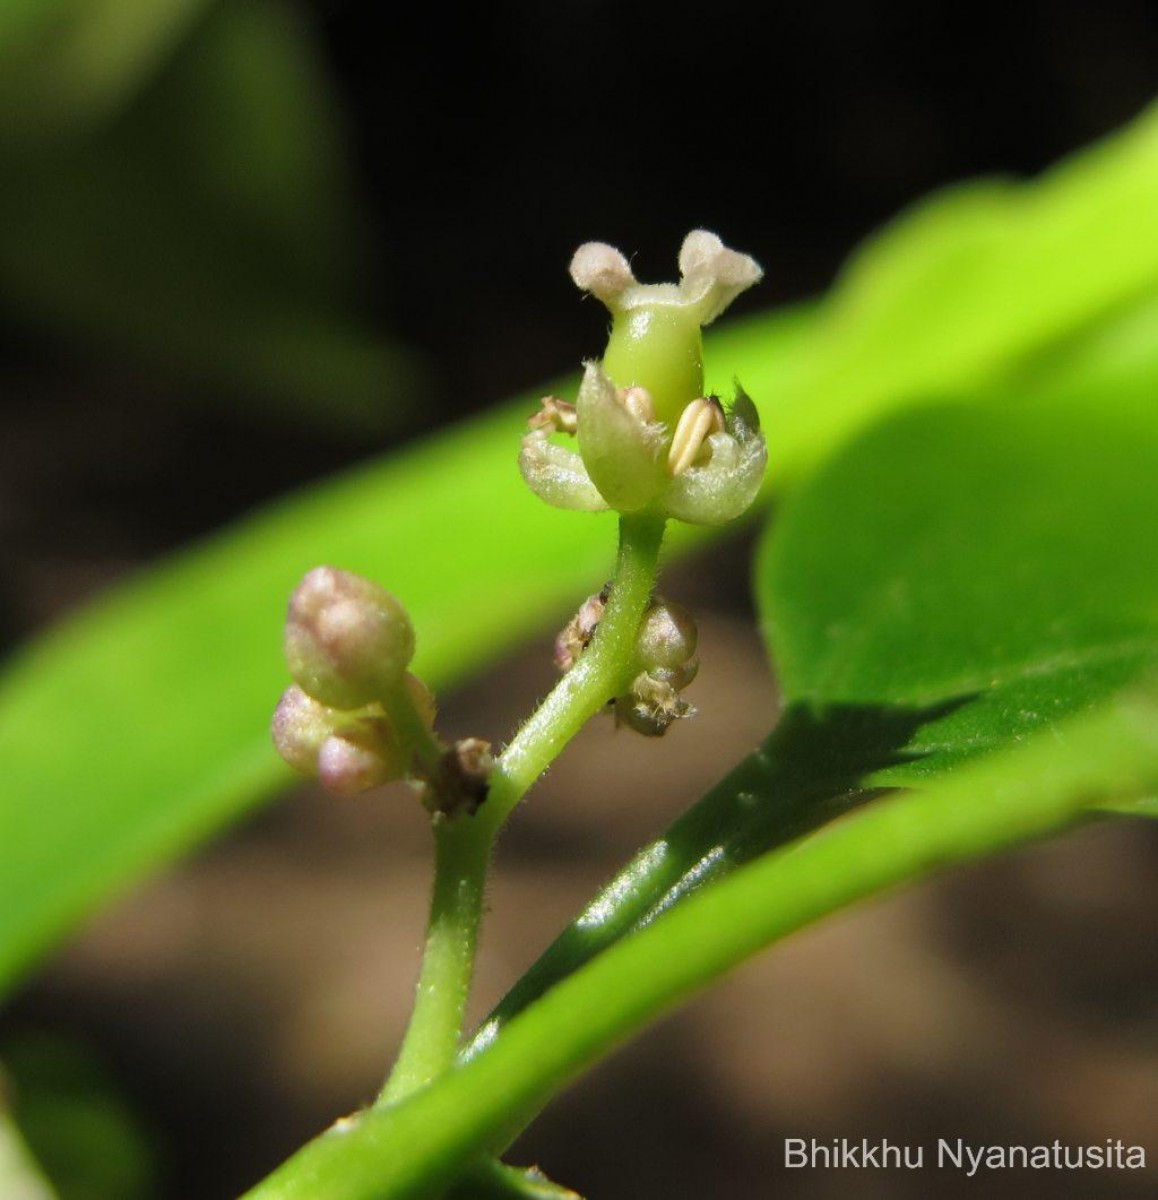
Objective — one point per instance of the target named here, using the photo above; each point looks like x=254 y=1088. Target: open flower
x=649 y=439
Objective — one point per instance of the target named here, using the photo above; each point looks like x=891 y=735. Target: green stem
x=462 y=854
x=413 y=729
x=418 y=1148
x=602 y=673
x=463 y=844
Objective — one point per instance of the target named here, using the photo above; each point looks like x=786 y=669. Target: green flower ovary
x=659 y=347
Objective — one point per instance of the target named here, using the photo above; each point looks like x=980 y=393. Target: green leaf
x=1019 y=794
x=493 y=1180
x=809 y=770
x=989 y=565
x=143 y=724
x=66 y=64
x=77 y=1125
x=140 y=727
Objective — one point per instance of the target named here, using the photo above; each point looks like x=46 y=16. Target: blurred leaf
x=67 y=64
x=212 y=229
x=76 y=1123
x=143 y=721
x=142 y=725
x=19 y=1177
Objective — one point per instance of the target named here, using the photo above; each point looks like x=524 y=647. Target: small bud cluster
x=347 y=642
x=649 y=440
x=465 y=777
x=666 y=653
x=665 y=662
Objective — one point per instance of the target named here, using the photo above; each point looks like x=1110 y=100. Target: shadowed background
x=224 y=281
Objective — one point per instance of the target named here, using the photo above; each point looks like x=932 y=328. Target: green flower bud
x=667 y=637
x=346 y=638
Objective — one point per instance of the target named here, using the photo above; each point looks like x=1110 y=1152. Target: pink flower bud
x=300 y=726
x=360 y=758
x=346 y=638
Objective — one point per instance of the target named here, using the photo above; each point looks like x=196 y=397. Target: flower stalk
x=650 y=445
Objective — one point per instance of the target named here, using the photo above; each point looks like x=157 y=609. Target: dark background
x=231 y=1015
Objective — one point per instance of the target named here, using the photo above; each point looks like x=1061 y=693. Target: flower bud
x=667 y=637
x=300 y=726
x=346 y=638
x=360 y=757
x=651 y=706
x=348 y=751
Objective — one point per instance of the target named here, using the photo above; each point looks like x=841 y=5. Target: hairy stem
x=462 y=853
x=602 y=673
x=413 y=729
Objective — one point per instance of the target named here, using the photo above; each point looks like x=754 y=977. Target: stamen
x=699 y=421
x=638 y=402
x=555 y=416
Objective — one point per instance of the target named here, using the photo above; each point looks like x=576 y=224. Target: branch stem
x=463 y=844
x=605 y=670
x=462 y=854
